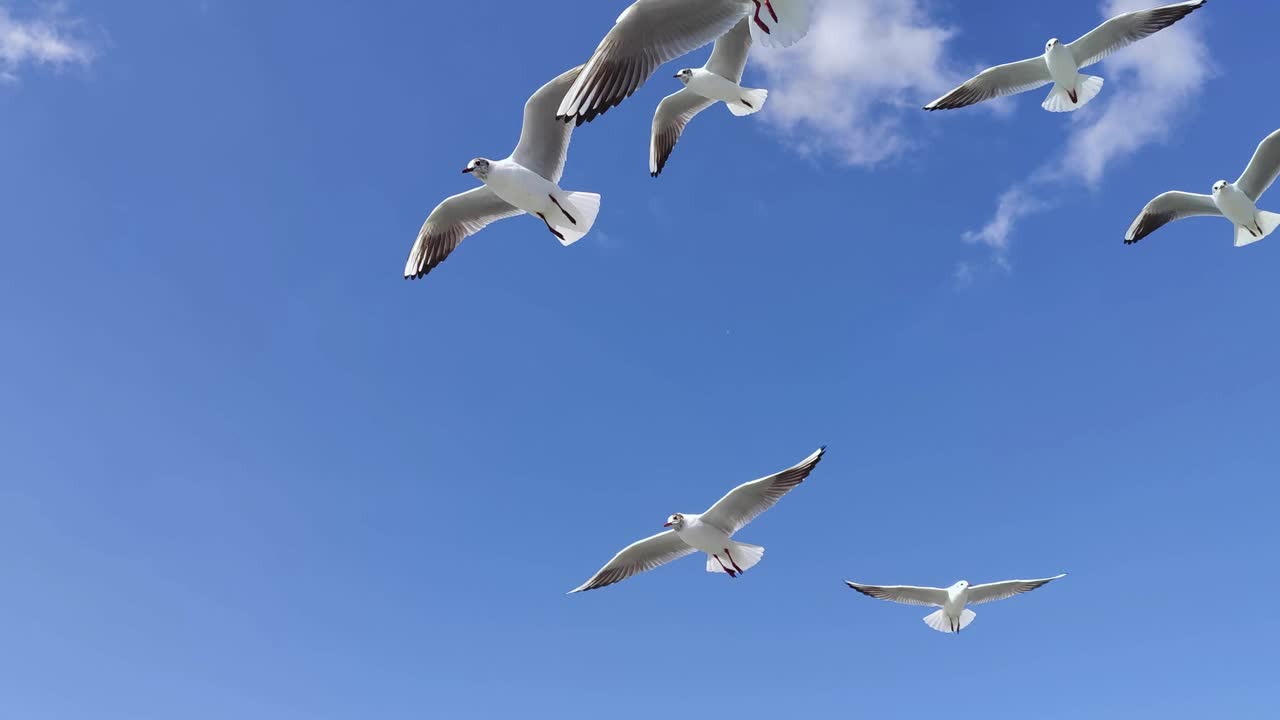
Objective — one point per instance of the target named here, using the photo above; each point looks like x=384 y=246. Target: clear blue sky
x=249 y=472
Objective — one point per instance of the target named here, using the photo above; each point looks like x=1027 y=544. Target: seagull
x=953 y=615
x=1060 y=63
x=718 y=80
x=709 y=532
x=1236 y=201
x=526 y=182
x=650 y=33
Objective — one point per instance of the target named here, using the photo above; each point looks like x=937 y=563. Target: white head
x=1219 y=186
x=479 y=167
x=1053 y=43
x=675 y=522
x=962 y=585
x=684 y=76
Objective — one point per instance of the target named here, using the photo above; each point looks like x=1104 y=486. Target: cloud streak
x=49 y=40
x=848 y=88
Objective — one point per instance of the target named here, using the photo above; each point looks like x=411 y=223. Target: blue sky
x=249 y=472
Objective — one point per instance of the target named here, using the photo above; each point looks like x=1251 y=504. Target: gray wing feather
x=903 y=594
x=450 y=223
x=638 y=557
x=1124 y=30
x=991 y=592
x=1001 y=80
x=745 y=502
x=1166 y=208
x=1263 y=168
x=544 y=140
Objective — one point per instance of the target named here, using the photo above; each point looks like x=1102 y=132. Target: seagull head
x=684 y=76
x=1219 y=186
x=1053 y=43
x=478 y=167
x=963 y=584
x=675 y=522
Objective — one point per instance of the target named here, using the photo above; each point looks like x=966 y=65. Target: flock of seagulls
x=650 y=33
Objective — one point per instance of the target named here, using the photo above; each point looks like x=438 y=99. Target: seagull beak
x=467 y=170
x=676 y=76
x=666 y=524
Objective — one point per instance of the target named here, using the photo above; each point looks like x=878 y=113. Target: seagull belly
x=713 y=87
x=523 y=188
x=1236 y=206
x=706 y=538
x=1062 y=67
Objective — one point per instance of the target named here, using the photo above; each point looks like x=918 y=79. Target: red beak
x=467 y=170
x=666 y=524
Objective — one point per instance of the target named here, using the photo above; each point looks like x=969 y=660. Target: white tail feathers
x=1267 y=223
x=752 y=102
x=1087 y=88
x=940 y=622
x=743 y=555
x=792 y=23
x=584 y=207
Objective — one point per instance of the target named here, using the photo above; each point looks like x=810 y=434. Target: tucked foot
x=760 y=23
x=553 y=230
x=769 y=4
x=735 y=563
x=572 y=219
x=1074 y=95
x=731 y=573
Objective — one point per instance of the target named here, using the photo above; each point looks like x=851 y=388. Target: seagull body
x=953 y=614
x=650 y=33
x=710 y=532
x=526 y=182
x=1061 y=64
x=718 y=81
x=1237 y=201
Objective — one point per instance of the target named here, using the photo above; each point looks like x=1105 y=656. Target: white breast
x=521 y=186
x=1062 y=66
x=712 y=86
x=706 y=538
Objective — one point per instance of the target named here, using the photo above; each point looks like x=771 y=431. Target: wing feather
x=1127 y=29
x=638 y=557
x=544 y=140
x=991 y=592
x=1166 y=208
x=1263 y=168
x=450 y=223
x=1001 y=80
x=745 y=502
x=903 y=594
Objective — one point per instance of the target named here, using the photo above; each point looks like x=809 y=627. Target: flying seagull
x=953 y=616
x=718 y=80
x=709 y=532
x=1061 y=64
x=526 y=182
x=1236 y=201
x=653 y=32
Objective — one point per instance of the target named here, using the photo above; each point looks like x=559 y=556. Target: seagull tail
x=584 y=207
x=744 y=555
x=752 y=102
x=1267 y=223
x=790 y=27
x=940 y=622
x=1087 y=88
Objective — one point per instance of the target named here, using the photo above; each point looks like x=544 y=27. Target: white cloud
x=849 y=86
x=48 y=40
x=1149 y=86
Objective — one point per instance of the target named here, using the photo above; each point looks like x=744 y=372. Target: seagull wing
x=1263 y=168
x=1124 y=30
x=1166 y=208
x=1001 y=80
x=647 y=34
x=745 y=502
x=636 y=558
x=991 y=592
x=904 y=594
x=728 y=60
x=544 y=140
x=453 y=220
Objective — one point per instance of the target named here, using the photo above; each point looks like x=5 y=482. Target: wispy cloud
x=848 y=88
x=1149 y=86
x=50 y=39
